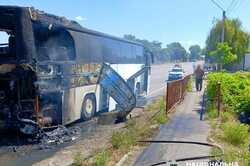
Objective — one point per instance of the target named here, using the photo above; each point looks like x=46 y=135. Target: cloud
x=80 y=18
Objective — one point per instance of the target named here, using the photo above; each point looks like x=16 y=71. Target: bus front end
x=19 y=97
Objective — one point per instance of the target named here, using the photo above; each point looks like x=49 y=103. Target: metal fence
x=176 y=91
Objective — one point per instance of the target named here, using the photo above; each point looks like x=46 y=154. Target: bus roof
x=73 y=25
x=37 y=15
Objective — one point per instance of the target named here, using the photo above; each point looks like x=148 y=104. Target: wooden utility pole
x=223 y=26
x=222 y=38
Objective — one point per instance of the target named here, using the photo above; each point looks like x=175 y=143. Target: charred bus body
x=53 y=71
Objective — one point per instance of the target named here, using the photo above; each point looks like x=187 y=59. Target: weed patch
x=190 y=84
x=212 y=113
x=101 y=158
x=235 y=133
x=123 y=140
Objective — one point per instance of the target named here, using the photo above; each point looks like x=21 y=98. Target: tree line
x=171 y=52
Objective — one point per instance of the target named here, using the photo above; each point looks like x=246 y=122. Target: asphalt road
x=159 y=75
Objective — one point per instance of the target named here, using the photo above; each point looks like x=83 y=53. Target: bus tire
x=88 y=106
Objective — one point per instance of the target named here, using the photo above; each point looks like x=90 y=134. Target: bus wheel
x=88 y=107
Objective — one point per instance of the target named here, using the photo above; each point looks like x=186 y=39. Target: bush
x=235 y=90
x=235 y=133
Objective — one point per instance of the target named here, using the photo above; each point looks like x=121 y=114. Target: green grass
x=234 y=139
x=235 y=133
x=227 y=116
x=100 y=158
x=211 y=113
x=124 y=140
x=160 y=117
x=190 y=85
x=215 y=152
x=237 y=155
x=156 y=105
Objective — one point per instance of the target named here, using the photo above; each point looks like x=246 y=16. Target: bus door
x=117 y=88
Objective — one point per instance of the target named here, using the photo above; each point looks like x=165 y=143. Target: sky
x=184 y=21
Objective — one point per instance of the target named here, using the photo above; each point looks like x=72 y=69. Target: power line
x=217 y=4
x=233 y=6
x=230 y=5
x=223 y=19
x=237 y=6
x=221 y=3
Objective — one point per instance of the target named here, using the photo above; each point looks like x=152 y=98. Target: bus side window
x=57 y=46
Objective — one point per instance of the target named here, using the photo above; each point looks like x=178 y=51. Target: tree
x=129 y=37
x=223 y=54
x=173 y=51
x=235 y=37
x=176 y=51
x=155 y=47
x=195 y=52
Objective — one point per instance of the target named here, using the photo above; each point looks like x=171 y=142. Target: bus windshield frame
x=16 y=22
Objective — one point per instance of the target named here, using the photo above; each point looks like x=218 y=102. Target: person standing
x=199 y=73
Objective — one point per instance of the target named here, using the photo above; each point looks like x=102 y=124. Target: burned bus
x=54 y=71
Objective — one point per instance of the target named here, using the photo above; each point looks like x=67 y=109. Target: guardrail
x=175 y=92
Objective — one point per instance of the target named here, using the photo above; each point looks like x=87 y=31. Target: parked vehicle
x=176 y=73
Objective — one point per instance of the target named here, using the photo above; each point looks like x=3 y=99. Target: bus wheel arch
x=88 y=106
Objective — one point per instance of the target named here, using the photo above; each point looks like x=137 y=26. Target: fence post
x=218 y=92
x=167 y=103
